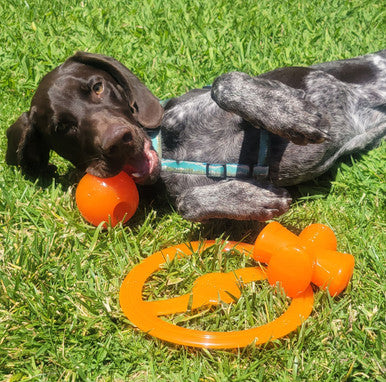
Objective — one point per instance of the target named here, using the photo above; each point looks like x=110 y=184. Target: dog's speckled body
x=314 y=115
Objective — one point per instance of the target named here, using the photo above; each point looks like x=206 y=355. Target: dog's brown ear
x=145 y=106
x=26 y=147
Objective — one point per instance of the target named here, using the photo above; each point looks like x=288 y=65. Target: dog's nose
x=115 y=139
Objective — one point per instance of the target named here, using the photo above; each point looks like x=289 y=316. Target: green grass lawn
x=60 y=318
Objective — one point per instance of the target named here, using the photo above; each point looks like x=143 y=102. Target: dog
x=228 y=150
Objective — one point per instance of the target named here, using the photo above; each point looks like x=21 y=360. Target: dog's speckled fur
x=314 y=116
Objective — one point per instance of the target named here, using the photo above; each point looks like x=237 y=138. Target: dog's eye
x=98 y=88
x=64 y=128
x=61 y=128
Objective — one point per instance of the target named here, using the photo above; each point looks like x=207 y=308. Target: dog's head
x=92 y=111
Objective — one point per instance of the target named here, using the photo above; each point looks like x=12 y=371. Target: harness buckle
x=216 y=170
x=260 y=172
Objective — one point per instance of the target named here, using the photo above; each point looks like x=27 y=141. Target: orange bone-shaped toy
x=295 y=261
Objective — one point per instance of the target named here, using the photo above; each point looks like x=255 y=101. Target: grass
x=59 y=278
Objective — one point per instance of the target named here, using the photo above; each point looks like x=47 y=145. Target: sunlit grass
x=59 y=277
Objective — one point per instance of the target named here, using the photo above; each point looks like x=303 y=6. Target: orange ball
x=292 y=268
x=112 y=199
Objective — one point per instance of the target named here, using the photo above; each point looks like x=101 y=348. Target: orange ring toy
x=207 y=290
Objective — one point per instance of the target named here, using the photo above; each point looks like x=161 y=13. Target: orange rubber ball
x=111 y=200
x=291 y=267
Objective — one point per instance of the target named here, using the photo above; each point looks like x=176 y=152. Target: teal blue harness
x=215 y=170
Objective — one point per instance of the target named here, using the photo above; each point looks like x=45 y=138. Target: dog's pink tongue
x=146 y=165
x=137 y=172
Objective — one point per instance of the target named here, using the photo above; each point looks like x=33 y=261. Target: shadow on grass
x=65 y=180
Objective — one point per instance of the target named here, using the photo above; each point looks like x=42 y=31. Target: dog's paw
x=233 y=200
x=305 y=126
x=272 y=208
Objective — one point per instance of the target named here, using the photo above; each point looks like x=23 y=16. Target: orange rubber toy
x=295 y=261
x=208 y=289
x=111 y=200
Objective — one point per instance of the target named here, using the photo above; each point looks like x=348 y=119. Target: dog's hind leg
x=270 y=104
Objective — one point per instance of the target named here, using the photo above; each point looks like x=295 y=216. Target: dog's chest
x=197 y=129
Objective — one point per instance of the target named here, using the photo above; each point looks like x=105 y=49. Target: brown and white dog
x=93 y=112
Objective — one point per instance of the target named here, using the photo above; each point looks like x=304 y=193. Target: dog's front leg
x=233 y=199
x=272 y=105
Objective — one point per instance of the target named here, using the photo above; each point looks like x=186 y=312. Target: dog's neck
x=215 y=170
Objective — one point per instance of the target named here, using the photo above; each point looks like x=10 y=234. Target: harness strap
x=215 y=170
